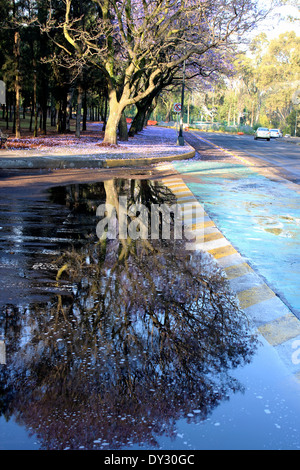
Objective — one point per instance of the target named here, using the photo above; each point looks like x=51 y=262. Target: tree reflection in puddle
x=149 y=335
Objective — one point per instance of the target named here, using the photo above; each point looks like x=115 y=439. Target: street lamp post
x=180 y=140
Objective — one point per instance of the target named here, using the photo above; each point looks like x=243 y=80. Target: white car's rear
x=262 y=133
x=275 y=133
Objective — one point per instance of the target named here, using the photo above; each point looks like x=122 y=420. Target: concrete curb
x=273 y=320
x=112 y=163
x=80 y=162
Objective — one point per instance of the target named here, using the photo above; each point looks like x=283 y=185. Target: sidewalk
x=152 y=145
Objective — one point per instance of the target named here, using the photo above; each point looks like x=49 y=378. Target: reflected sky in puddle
x=260 y=217
x=119 y=345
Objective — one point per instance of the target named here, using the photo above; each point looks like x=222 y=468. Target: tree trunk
x=79 y=106
x=169 y=110
x=58 y=117
x=64 y=112
x=17 y=84
x=35 y=110
x=53 y=113
x=45 y=113
x=147 y=116
x=137 y=122
x=7 y=115
x=149 y=110
x=14 y=117
x=84 y=111
x=115 y=112
x=105 y=112
x=116 y=108
x=31 y=117
x=110 y=134
x=229 y=116
x=123 y=131
x=252 y=115
x=69 y=110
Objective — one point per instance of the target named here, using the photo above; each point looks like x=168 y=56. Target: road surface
x=283 y=156
x=255 y=203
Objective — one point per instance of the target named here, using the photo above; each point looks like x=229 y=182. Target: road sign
x=177 y=107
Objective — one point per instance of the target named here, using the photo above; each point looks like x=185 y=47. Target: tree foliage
x=264 y=88
x=272 y=79
x=133 y=49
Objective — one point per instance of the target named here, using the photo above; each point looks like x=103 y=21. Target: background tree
x=128 y=38
x=104 y=58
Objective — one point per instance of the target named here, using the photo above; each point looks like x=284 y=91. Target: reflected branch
x=141 y=341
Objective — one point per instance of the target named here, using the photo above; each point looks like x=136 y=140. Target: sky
x=278 y=23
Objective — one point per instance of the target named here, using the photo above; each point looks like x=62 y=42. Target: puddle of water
x=260 y=217
x=124 y=344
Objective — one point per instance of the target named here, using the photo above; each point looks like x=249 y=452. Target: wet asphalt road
x=254 y=203
x=277 y=153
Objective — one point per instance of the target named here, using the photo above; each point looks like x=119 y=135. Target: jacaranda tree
x=136 y=43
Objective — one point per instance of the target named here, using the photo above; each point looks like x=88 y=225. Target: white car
x=262 y=133
x=275 y=133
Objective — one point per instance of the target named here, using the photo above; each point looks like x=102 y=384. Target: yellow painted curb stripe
x=209 y=223
x=185 y=200
x=222 y=251
x=238 y=270
x=280 y=330
x=254 y=295
x=202 y=225
x=212 y=236
x=171 y=181
x=182 y=191
x=175 y=184
x=198 y=217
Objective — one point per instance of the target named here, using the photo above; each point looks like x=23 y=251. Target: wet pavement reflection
x=109 y=343
x=260 y=216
